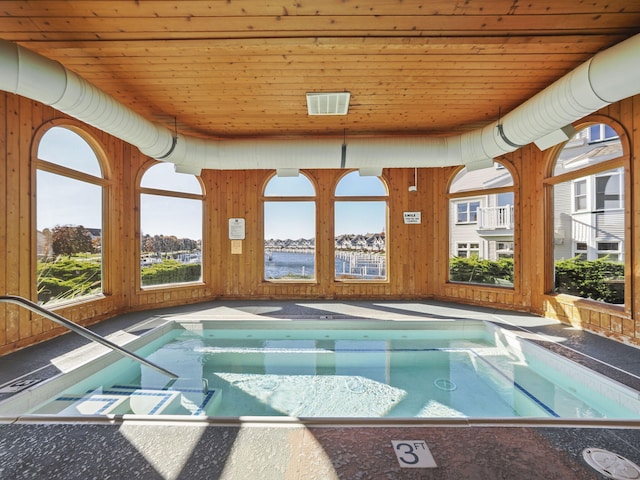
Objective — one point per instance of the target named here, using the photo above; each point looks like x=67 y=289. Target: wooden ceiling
x=241 y=68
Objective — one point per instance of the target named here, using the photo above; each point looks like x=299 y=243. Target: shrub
x=66 y=279
x=594 y=279
x=476 y=270
x=170 y=271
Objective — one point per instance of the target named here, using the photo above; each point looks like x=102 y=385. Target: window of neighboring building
x=504 y=249
x=580 y=195
x=69 y=193
x=609 y=251
x=289 y=229
x=468 y=212
x=581 y=251
x=467 y=250
x=609 y=191
x=170 y=227
x=589 y=218
x=360 y=228
x=481 y=206
x=600 y=133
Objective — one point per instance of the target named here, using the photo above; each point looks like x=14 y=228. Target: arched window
x=481 y=226
x=360 y=228
x=170 y=227
x=69 y=220
x=589 y=216
x=289 y=229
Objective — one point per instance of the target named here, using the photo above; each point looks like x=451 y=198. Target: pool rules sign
x=413 y=454
x=237 y=233
x=412 y=218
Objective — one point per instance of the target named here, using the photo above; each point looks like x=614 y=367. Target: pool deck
x=251 y=448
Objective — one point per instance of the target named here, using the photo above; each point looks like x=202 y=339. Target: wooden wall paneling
x=217 y=233
x=251 y=208
x=396 y=241
x=157 y=49
x=416 y=251
x=407 y=236
x=121 y=222
x=237 y=190
x=209 y=218
x=39 y=114
x=439 y=264
x=420 y=201
x=323 y=183
x=113 y=232
x=623 y=113
x=187 y=8
x=537 y=268
x=12 y=258
x=527 y=242
x=418 y=256
x=232 y=262
x=632 y=124
x=128 y=168
x=4 y=181
x=634 y=133
x=247 y=206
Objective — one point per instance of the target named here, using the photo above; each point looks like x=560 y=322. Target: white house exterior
x=588 y=211
x=482 y=224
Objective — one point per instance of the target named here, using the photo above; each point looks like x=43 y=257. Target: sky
x=65 y=201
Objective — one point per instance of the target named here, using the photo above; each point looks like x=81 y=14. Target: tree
x=68 y=240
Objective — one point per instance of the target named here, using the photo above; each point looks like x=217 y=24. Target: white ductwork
x=610 y=76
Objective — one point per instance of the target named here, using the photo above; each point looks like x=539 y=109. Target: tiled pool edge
x=325 y=422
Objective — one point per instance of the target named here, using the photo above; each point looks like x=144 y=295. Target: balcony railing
x=495 y=218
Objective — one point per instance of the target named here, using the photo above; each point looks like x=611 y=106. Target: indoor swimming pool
x=332 y=369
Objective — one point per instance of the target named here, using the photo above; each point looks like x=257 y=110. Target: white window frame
x=469 y=248
x=467 y=212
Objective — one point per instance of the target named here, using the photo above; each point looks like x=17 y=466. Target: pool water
x=469 y=369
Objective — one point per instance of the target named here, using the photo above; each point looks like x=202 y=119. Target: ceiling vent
x=336 y=103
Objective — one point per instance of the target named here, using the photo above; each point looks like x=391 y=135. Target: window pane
x=463 y=214
x=171 y=239
x=491 y=177
x=580 y=189
x=64 y=147
x=609 y=132
x=579 y=152
x=473 y=211
x=477 y=219
x=594 y=133
x=589 y=244
x=163 y=176
x=299 y=186
x=69 y=233
x=360 y=241
x=505 y=199
x=289 y=245
x=353 y=185
x=607 y=192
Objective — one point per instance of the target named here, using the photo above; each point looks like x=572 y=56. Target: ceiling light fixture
x=330 y=103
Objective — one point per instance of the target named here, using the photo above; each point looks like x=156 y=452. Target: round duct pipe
x=610 y=76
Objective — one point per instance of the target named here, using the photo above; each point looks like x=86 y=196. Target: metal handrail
x=80 y=330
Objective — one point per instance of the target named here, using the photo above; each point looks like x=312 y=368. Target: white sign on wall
x=412 y=217
x=236 y=229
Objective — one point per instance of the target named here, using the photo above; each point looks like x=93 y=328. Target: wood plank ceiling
x=231 y=68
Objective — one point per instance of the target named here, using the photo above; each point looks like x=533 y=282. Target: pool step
x=194 y=401
x=131 y=399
